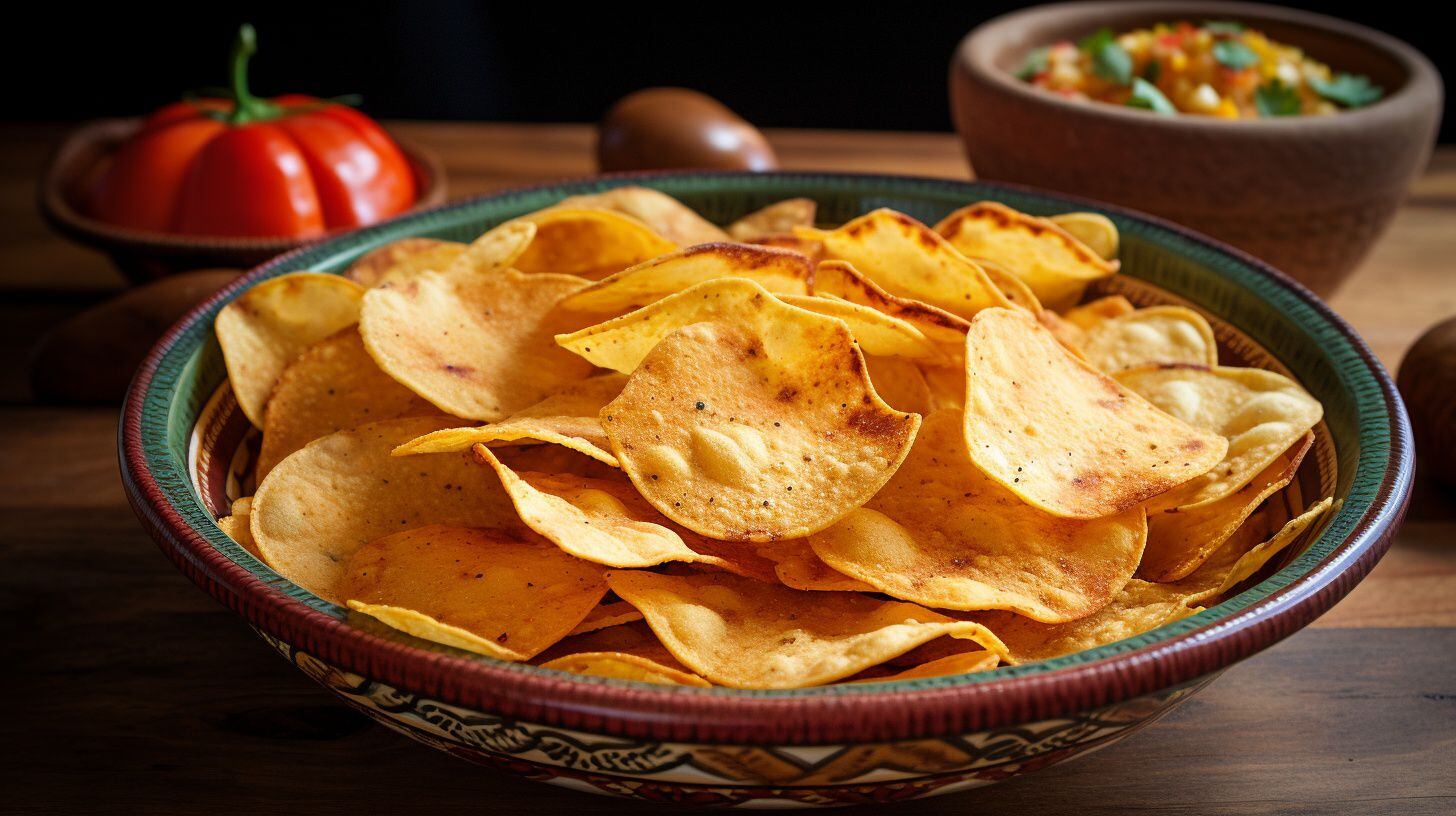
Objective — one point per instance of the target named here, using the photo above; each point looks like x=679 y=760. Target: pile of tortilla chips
x=614 y=439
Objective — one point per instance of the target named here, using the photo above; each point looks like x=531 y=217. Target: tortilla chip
x=266 y=327
x=775 y=219
x=345 y=490
x=777 y=270
x=332 y=386
x=478 y=345
x=944 y=535
x=485 y=591
x=1055 y=265
x=236 y=526
x=756 y=431
x=797 y=566
x=1179 y=540
x=404 y=257
x=1094 y=230
x=747 y=634
x=622 y=666
x=605 y=615
x=809 y=247
x=588 y=243
x=567 y=417
x=876 y=332
x=1093 y=312
x=900 y=383
x=1260 y=413
x=1157 y=334
x=1062 y=435
x=662 y=213
x=947 y=386
x=963 y=663
x=1014 y=288
x=840 y=279
x=907 y=259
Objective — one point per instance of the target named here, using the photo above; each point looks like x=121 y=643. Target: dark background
x=872 y=66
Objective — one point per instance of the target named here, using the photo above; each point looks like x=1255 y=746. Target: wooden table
x=128 y=690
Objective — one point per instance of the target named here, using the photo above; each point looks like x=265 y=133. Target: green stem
x=246 y=107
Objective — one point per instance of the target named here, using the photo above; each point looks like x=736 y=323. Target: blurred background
x=875 y=66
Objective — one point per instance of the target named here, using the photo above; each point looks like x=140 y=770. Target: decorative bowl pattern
x=184 y=445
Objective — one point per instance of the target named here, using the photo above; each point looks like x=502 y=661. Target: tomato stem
x=246 y=107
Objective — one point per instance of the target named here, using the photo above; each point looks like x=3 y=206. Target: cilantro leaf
x=1234 y=54
x=1146 y=95
x=1347 y=90
x=1033 y=63
x=1274 y=98
x=1225 y=27
x=1109 y=59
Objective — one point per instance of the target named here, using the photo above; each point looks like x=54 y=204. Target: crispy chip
x=1064 y=436
x=1015 y=289
x=332 y=386
x=842 y=280
x=963 y=663
x=1157 y=334
x=664 y=214
x=1055 y=265
x=808 y=246
x=236 y=525
x=947 y=386
x=876 y=332
x=900 y=383
x=1179 y=539
x=344 y=490
x=567 y=417
x=1093 y=312
x=606 y=521
x=907 y=259
x=588 y=243
x=756 y=432
x=777 y=270
x=606 y=615
x=622 y=666
x=775 y=219
x=478 y=345
x=1143 y=605
x=483 y=590
x=797 y=566
x=404 y=257
x=747 y=634
x=943 y=535
x=264 y=328
x=1094 y=230
x=1260 y=413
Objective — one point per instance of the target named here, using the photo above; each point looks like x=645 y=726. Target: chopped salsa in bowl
x=1221 y=69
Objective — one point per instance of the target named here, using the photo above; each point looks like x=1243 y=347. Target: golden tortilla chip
x=842 y=280
x=588 y=243
x=1055 y=265
x=478 y=345
x=747 y=634
x=606 y=615
x=567 y=417
x=664 y=214
x=622 y=666
x=266 y=327
x=404 y=257
x=605 y=521
x=1143 y=605
x=876 y=332
x=809 y=247
x=1014 y=288
x=947 y=386
x=900 y=383
x=963 y=663
x=1157 y=334
x=797 y=566
x=907 y=259
x=332 y=386
x=1094 y=230
x=236 y=526
x=777 y=270
x=482 y=590
x=1093 y=312
x=944 y=535
x=345 y=490
x=756 y=432
x=1260 y=413
x=775 y=219
x=1062 y=435
x=1179 y=540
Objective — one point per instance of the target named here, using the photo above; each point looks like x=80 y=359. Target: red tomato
x=290 y=166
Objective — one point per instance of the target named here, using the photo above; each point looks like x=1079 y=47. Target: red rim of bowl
x=843 y=714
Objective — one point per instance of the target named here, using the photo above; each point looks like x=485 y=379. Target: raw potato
x=1062 y=435
x=408 y=256
x=748 y=634
x=756 y=435
x=777 y=270
x=266 y=327
x=944 y=535
x=492 y=592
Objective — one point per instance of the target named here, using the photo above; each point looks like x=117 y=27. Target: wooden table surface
x=129 y=690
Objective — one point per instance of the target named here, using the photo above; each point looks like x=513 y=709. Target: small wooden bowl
x=1308 y=194
x=143 y=256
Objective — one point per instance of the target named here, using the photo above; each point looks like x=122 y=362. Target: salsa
x=1221 y=69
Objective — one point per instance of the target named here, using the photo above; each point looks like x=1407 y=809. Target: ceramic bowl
x=1307 y=194
x=185 y=447
x=143 y=256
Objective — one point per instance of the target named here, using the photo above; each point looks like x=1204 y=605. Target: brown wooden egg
x=675 y=128
x=1427 y=381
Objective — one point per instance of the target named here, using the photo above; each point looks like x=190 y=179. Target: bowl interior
x=192 y=439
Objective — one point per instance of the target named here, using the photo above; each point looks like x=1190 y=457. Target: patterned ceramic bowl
x=183 y=444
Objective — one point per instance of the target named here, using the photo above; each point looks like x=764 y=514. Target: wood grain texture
x=132 y=691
